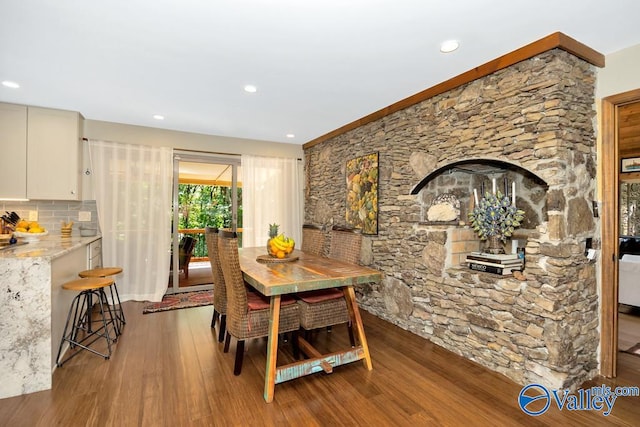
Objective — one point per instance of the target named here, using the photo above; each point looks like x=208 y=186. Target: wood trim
x=552 y=41
x=610 y=231
x=609 y=272
x=630 y=177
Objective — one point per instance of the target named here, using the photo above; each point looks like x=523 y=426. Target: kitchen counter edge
x=48 y=247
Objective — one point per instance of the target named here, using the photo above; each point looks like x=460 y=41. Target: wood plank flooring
x=199 y=274
x=168 y=370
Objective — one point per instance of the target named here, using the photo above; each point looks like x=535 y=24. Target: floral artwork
x=362 y=193
x=495 y=216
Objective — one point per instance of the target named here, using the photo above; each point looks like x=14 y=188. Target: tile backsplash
x=51 y=213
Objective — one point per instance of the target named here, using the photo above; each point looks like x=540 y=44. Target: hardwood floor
x=168 y=370
x=199 y=274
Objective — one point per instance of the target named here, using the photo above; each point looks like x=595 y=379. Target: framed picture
x=362 y=193
x=630 y=165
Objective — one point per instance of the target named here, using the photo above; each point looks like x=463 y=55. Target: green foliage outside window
x=206 y=206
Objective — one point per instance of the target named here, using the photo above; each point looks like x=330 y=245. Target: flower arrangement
x=495 y=216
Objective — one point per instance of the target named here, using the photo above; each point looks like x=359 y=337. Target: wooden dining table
x=306 y=272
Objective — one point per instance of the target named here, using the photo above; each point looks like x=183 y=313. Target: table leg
x=272 y=349
x=350 y=296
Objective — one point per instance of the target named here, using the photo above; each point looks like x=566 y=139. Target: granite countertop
x=48 y=247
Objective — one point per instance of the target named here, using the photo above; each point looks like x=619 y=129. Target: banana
x=290 y=245
x=279 y=244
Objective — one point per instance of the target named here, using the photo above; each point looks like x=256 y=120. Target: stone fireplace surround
x=536 y=115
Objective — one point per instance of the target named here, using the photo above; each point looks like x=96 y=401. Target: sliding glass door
x=206 y=193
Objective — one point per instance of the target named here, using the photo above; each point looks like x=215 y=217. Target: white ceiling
x=317 y=64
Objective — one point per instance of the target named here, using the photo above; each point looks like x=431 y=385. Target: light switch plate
x=33 y=215
x=84 y=216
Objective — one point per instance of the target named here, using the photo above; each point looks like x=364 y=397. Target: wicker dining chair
x=248 y=313
x=219 y=288
x=345 y=244
x=313 y=238
x=328 y=307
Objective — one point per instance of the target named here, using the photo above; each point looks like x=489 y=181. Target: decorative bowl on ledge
x=88 y=231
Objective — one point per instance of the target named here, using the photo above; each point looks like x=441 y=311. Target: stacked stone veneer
x=537 y=115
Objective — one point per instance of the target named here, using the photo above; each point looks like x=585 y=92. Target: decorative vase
x=494 y=245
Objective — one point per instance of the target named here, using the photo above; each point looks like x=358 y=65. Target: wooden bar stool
x=79 y=332
x=115 y=298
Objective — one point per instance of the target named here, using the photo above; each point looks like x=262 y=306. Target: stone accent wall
x=537 y=115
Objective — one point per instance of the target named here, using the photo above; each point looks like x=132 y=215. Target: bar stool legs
x=78 y=330
x=115 y=296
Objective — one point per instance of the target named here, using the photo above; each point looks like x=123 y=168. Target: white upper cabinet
x=13 y=155
x=54 y=154
x=41 y=157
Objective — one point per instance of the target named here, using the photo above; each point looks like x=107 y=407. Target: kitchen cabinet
x=43 y=157
x=13 y=158
x=54 y=154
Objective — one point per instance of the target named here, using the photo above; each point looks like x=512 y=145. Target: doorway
x=611 y=179
x=207 y=192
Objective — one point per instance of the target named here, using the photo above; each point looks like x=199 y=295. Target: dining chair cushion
x=313 y=297
x=256 y=301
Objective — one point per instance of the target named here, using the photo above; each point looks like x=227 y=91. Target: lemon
x=21 y=229
x=22 y=224
x=34 y=224
x=36 y=230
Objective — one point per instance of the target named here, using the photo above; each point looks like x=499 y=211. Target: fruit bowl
x=279 y=246
x=30 y=237
x=280 y=253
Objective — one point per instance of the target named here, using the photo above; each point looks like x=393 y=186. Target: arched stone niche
x=461 y=177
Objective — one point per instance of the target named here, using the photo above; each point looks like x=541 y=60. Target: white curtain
x=133 y=191
x=271 y=193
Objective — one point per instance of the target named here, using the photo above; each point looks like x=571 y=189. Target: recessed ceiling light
x=449 y=46
x=290 y=135
x=10 y=84
x=250 y=89
x=158 y=116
